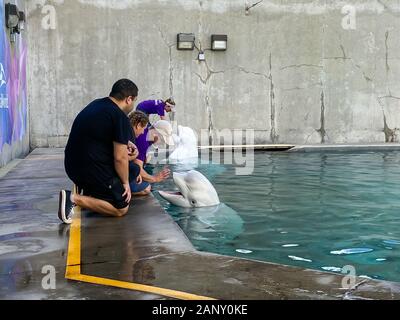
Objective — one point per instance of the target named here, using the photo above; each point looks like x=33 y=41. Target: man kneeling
x=96 y=156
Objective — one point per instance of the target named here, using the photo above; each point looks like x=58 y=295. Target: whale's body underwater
x=200 y=202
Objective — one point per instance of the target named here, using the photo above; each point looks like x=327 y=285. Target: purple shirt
x=152 y=107
x=143 y=145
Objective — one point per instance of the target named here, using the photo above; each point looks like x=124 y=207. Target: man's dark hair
x=138 y=117
x=123 y=89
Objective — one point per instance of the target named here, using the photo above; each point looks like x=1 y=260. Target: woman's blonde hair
x=138 y=117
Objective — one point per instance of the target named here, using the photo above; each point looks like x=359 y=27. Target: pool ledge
x=347 y=147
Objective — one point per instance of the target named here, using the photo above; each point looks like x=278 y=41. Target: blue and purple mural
x=13 y=95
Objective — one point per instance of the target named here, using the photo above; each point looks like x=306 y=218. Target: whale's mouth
x=175 y=197
x=174 y=193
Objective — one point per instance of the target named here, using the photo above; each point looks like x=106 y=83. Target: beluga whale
x=201 y=208
x=195 y=191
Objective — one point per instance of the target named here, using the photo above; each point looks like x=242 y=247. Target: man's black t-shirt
x=89 y=155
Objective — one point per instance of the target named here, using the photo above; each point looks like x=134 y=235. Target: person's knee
x=147 y=191
x=122 y=212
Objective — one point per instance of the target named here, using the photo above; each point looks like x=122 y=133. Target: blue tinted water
x=318 y=211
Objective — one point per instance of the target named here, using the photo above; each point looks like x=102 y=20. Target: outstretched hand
x=163 y=174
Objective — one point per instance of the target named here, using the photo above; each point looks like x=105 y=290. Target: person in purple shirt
x=160 y=131
x=139 y=122
x=157 y=107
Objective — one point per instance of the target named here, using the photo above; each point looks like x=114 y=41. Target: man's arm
x=121 y=165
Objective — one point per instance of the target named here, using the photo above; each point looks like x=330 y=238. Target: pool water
x=314 y=210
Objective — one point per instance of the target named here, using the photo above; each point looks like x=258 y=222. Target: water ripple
x=352 y=251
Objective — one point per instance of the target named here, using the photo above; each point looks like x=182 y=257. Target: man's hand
x=133 y=151
x=127 y=193
x=139 y=179
x=163 y=175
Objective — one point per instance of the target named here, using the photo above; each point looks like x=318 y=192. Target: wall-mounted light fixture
x=15 y=20
x=12 y=15
x=22 y=20
x=186 y=41
x=219 y=42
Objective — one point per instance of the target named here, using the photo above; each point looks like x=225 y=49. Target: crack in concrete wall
x=209 y=74
x=171 y=67
x=390 y=134
x=343 y=57
x=387 y=97
x=210 y=120
x=322 y=130
x=308 y=137
x=368 y=79
x=206 y=82
x=171 y=74
x=301 y=65
x=344 y=52
x=274 y=137
x=387 y=51
x=250 y=72
x=271 y=93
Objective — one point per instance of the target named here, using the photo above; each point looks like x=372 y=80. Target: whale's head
x=195 y=191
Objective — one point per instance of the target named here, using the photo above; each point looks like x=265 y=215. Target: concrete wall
x=294 y=71
x=14 y=130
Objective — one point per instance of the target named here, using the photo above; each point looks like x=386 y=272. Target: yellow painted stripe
x=140 y=287
x=73 y=270
x=74 y=247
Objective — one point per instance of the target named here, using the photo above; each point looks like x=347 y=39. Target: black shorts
x=110 y=191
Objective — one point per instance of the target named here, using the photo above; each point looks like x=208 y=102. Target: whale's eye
x=193 y=202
